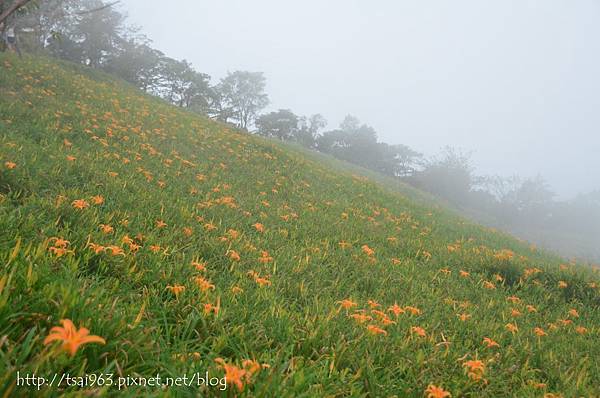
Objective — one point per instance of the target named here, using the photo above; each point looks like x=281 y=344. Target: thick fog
x=516 y=82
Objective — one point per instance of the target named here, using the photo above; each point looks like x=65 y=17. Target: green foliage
x=308 y=237
x=243 y=96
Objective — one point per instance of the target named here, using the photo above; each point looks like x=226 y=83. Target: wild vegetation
x=95 y=33
x=139 y=238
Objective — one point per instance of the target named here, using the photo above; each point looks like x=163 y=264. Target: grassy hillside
x=189 y=247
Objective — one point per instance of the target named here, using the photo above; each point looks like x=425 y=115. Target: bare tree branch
x=99 y=8
x=12 y=8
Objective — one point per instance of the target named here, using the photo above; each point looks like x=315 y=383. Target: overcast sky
x=515 y=81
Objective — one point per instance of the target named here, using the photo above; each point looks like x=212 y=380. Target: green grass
x=150 y=161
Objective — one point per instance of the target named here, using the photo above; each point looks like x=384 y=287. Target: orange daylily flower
x=531 y=271
x=208 y=308
x=235 y=375
x=127 y=240
x=361 y=318
x=233 y=255
x=373 y=304
x=251 y=366
x=434 y=391
x=412 y=310
x=199 y=266
x=419 y=331
x=463 y=317
x=80 y=204
x=10 y=165
x=98 y=199
x=259 y=227
x=581 y=330
x=176 y=289
x=346 y=304
x=539 y=332
x=573 y=312
x=562 y=284
x=60 y=251
x=71 y=338
x=489 y=285
x=60 y=242
x=115 y=250
x=96 y=248
x=204 y=284
x=262 y=281
x=490 y=343
x=475 y=369
x=504 y=254
x=464 y=274
x=367 y=250
x=160 y=224
x=107 y=229
x=264 y=257
x=375 y=330
x=511 y=327
x=396 y=309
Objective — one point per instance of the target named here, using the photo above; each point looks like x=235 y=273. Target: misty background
x=516 y=82
x=491 y=106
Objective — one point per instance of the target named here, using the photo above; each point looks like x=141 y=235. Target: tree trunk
x=11 y=9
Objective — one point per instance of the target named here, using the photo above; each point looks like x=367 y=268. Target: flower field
x=138 y=239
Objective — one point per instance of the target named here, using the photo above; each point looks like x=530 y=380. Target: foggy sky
x=515 y=81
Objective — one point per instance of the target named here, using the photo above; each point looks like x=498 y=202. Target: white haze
x=515 y=81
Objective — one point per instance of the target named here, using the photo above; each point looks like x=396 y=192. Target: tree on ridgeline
x=181 y=85
x=139 y=64
x=357 y=143
x=309 y=129
x=243 y=96
x=448 y=175
x=282 y=125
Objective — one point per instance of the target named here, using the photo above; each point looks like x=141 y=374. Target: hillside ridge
x=248 y=259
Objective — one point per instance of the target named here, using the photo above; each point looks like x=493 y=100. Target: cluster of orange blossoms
x=240 y=376
x=60 y=247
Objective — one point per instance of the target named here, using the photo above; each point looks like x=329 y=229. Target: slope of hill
x=188 y=247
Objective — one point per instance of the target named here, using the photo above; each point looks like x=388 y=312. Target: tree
x=181 y=85
x=308 y=130
x=354 y=143
x=399 y=160
x=282 y=125
x=8 y=8
x=44 y=21
x=450 y=176
x=98 y=33
x=139 y=64
x=243 y=96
